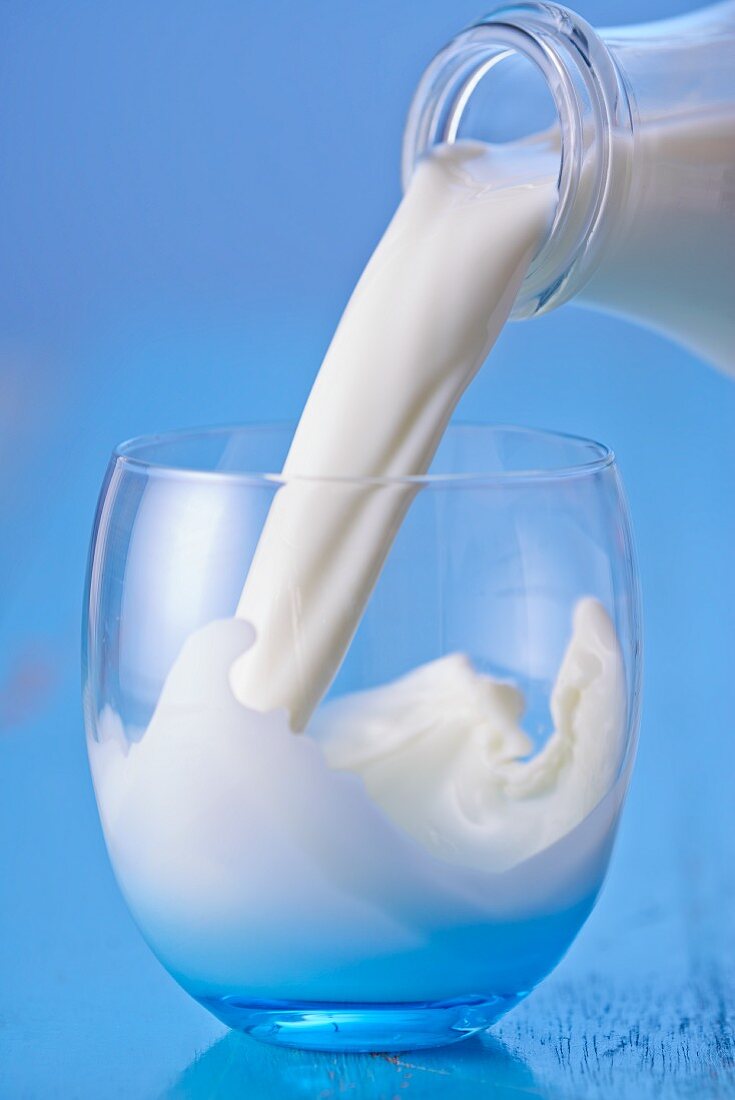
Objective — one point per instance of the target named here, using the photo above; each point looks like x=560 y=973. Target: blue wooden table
x=643 y=1005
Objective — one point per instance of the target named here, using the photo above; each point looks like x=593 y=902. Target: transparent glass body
x=270 y=883
x=638 y=124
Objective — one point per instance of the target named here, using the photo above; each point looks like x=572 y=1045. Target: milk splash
x=251 y=864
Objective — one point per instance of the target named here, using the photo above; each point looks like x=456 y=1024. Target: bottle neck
x=460 y=94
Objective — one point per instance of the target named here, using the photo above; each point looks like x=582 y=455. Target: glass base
x=360 y=1027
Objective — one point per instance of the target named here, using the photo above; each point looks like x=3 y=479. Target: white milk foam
x=443 y=753
x=409 y=816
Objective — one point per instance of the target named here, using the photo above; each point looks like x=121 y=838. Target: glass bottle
x=640 y=122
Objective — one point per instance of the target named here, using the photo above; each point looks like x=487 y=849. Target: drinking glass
x=272 y=881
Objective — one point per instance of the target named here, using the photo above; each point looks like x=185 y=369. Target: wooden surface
x=576 y=1039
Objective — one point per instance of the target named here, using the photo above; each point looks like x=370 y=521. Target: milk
x=408 y=847
x=276 y=866
x=444 y=736
x=423 y=317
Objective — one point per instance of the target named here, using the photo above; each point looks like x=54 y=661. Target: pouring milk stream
x=424 y=316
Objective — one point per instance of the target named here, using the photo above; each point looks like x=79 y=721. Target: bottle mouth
x=538 y=80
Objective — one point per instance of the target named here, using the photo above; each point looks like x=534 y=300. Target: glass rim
x=131 y=453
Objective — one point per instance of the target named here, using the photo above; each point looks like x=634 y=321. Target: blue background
x=188 y=193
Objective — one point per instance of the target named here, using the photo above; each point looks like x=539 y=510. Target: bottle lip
x=593 y=110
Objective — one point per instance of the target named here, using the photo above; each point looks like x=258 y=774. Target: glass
x=274 y=887
x=638 y=126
